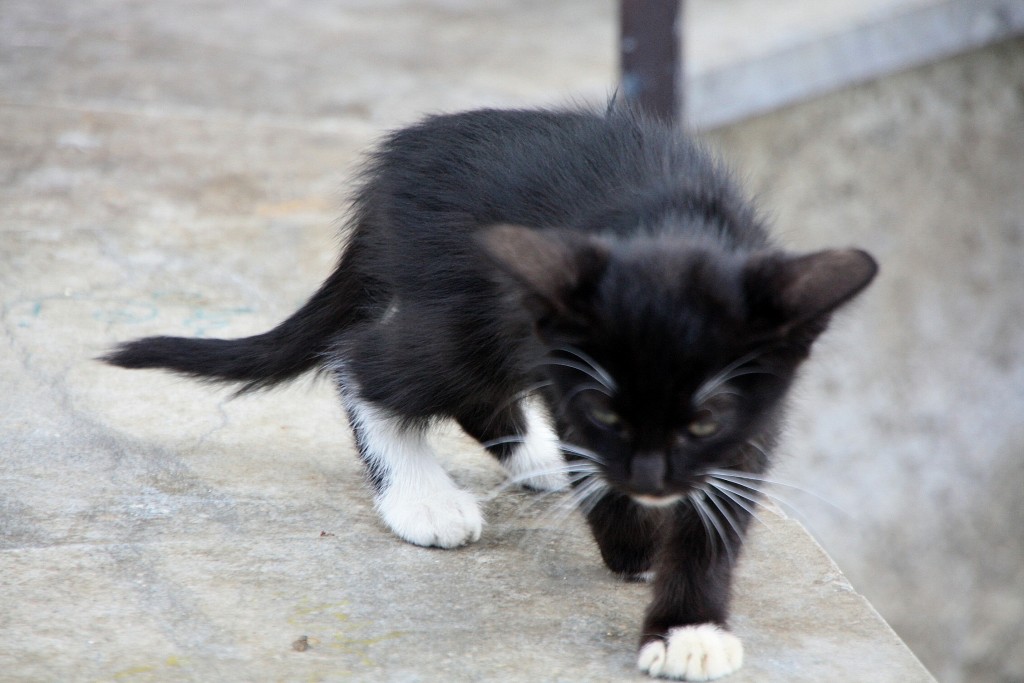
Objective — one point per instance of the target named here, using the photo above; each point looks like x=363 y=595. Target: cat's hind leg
x=415 y=497
x=526 y=445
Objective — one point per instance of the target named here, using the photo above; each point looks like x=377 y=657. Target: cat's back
x=545 y=168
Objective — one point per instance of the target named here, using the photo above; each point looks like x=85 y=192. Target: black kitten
x=508 y=266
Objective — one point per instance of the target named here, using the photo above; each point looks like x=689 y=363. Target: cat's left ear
x=555 y=270
x=790 y=292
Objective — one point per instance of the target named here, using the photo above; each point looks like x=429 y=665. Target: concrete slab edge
x=861 y=53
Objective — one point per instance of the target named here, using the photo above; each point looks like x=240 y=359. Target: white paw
x=417 y=498
x=692 y=653
x=537 y=462
x=447 y=519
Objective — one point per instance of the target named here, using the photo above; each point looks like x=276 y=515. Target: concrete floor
x=181 y=169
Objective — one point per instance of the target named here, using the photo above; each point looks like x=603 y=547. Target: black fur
x=493 y=250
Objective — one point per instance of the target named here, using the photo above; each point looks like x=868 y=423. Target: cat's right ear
x=789 y=292
x=554 y=271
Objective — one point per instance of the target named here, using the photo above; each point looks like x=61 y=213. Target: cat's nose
x=647 y=473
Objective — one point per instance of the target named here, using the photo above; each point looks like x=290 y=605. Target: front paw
x=700 y=652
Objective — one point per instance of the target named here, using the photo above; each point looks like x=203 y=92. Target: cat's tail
x=259 y=362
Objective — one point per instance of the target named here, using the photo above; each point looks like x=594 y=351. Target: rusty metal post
x=650 y=52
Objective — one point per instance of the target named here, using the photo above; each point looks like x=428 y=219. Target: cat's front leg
x=684 y=633
x=523 y=440
x=627 y=534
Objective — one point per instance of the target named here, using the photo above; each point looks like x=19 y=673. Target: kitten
x=591 y=298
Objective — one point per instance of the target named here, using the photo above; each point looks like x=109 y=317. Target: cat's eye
x=604 y=418
x=703 y=425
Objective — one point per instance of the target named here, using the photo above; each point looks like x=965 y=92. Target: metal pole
x=650 y=55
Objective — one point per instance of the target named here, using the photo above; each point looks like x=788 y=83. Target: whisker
x=579 y=389
x=581 y=452
x=736 y=499
x=723 y=508
x=725 y=374
x=695 y=503
x=746 y=483
x=563 y=446
x=583 y=498
x=518 y=396
x=759 y=448
x=727 y=485
x=741 y=499
x=608 y=381
x=717 y=379
x=580 y=476
x=720 y=392
x=743 y=360
x=593 y=491
x=586 y=490
x=704 y=393
x=741 y=478
x=574 y=472
x=708 y=517
x=565 y=505
x=722 y=533
x=503 y=440
x=580 y=368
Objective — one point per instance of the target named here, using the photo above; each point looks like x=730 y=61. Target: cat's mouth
x=657 y=501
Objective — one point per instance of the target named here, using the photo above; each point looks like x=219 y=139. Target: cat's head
x=668 y=356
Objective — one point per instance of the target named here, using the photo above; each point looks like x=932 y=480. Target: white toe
x=652 y=658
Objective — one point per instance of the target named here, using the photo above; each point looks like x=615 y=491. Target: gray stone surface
x=180 y=169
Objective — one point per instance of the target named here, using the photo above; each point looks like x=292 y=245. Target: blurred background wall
x=911 y=417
